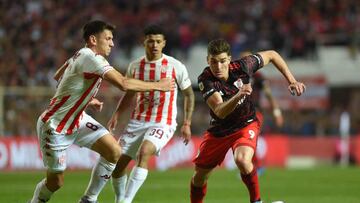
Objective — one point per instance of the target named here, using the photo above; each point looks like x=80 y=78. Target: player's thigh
x=90 y=131
x=53 y=146
x=247 y=136
x=132 y=138
x=159 y=135
x=107 y=147
x=243 y=154
x=212 y=151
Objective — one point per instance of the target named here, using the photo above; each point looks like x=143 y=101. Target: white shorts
x=136 y=131
x=53 y=145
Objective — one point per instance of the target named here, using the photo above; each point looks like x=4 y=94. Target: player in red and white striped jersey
x=64 y=122
x=153 y=121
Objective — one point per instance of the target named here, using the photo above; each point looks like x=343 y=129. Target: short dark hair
x=218 y=46
x=153 y=30
x=94 y=27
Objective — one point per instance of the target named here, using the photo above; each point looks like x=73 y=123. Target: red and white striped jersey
x=158 y=106
x=78 y=85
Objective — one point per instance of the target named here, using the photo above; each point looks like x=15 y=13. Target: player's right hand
x=166 y=84
x=297 y=88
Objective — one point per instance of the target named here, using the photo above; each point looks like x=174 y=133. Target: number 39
x=157 y=132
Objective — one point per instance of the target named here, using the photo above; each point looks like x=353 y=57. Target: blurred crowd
x=37 y=36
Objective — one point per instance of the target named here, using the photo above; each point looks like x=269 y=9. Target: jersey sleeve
x=130 y=72
x=182 y=77
x=206 y=87
x=98 y=64
x=250 y=64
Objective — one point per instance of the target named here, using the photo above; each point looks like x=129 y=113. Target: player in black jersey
x=225 y=86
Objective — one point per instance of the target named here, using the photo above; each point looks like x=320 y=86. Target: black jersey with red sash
x=240 y=71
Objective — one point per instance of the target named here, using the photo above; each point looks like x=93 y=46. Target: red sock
x=252 y=183
x=197 y=194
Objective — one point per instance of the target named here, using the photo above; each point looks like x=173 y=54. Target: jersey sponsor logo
x=151 y=100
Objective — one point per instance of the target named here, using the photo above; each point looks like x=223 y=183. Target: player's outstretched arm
x=273 y=57
x=124 y=83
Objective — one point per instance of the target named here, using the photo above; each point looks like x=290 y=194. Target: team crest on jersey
x=238 y=83
x=201 y=86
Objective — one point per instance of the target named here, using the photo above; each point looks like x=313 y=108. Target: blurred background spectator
x=37 y=36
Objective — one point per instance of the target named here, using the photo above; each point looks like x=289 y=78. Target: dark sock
x=197 y=194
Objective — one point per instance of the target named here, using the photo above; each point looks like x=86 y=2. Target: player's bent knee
x=108 y=148
x=146 y=151
x=243 y=163
x=114 y=154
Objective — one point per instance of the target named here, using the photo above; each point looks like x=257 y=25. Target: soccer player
x=64 y=122
x=226 y=89
x=153 y=121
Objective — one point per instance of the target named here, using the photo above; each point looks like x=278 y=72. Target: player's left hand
x=96 y=104
x=166 y=84
x=297 y=88
x=186 y=133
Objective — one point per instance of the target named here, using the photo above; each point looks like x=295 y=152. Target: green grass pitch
x=318 y=185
